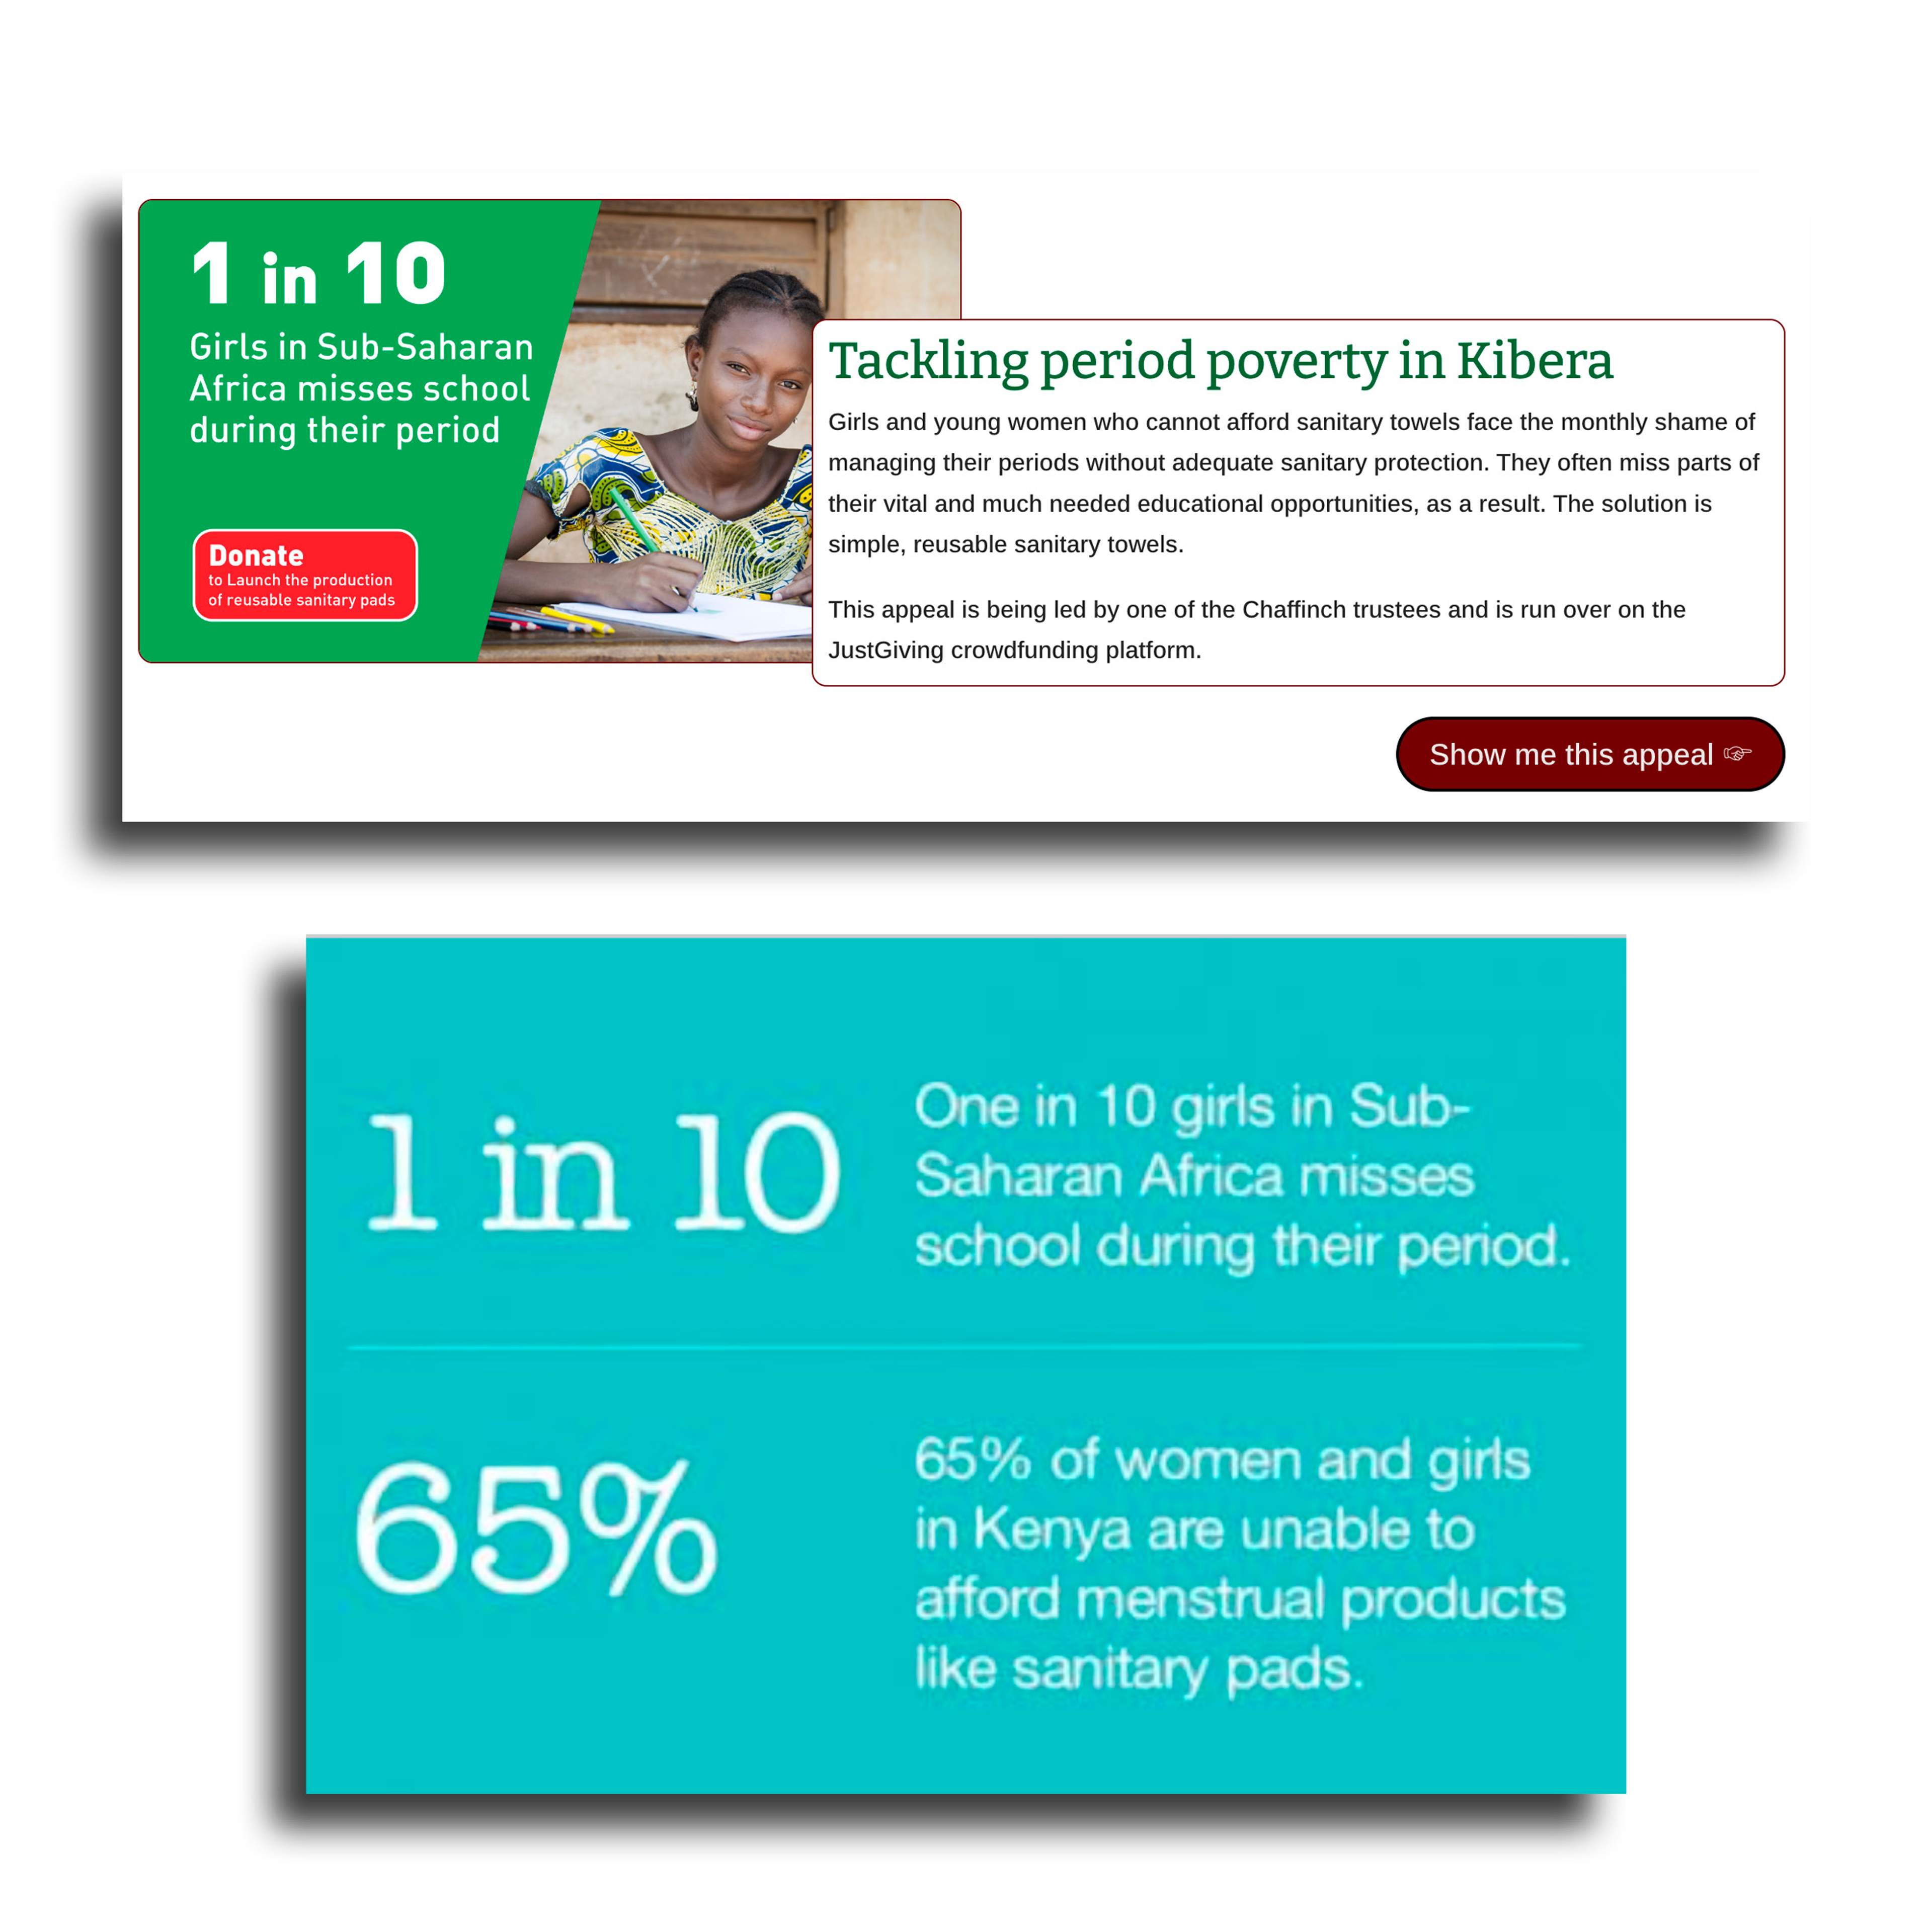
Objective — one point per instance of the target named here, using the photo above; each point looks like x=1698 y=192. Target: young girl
x=727 y=512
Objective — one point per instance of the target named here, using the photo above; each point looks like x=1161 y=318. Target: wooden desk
x=630 y=643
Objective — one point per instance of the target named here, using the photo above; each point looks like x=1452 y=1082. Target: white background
x=1725 y=567
x=756 y=744
x=1691 y=159
x=760 y=745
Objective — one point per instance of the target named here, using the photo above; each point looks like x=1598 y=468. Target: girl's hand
x=650 y=583
x=798 y=591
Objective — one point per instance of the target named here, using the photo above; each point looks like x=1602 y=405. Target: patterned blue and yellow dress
x=749 y=557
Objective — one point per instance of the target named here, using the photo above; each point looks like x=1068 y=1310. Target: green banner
x=338 y=401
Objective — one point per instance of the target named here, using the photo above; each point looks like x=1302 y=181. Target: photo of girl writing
x=711 y=506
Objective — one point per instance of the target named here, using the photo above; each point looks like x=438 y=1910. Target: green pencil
x=644 y=535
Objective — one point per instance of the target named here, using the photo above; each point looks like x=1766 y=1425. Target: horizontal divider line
x=938 y=1348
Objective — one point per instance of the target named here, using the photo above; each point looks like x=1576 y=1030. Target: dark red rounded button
x=1590 y=753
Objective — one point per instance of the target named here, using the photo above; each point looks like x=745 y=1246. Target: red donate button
x=365 y=576
x=1590 y=753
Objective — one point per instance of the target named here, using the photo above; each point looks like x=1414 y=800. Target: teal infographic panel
x=964 y=1366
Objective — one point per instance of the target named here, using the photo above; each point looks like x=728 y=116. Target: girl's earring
x=690 y=397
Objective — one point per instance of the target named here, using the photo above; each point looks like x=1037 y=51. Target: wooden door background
x=660 y=261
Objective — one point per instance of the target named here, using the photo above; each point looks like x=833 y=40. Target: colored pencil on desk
x=578 y=617
x=515 y=618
